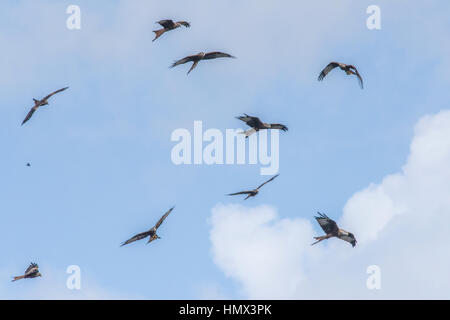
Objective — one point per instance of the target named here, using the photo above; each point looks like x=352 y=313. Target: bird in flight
x=348 y=68
x=31 y=272
x=201 y=56
x=150 y=233
x=254 y=192
x=331 y=229
x=28 y=164
x=40 y=103
x=169 y=25
x=257 y=125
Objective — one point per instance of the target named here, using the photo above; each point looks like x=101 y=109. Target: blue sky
x=100 y=152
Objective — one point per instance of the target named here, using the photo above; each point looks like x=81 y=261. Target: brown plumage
x=348 y=68
x=254 y=192
x=40 y=103
x=201 y=56
x=257 y=125
x=150 y=233
x=31 y=272
x=331 y=230
x=169 y=25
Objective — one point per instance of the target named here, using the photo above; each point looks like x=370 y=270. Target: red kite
x=257 y=125
x=331 y=229
x=169 y=25
x=254 y=192
x=40 y=103
x=349 y=70
x=151 y=233
x=31 y=272
x=201 y=56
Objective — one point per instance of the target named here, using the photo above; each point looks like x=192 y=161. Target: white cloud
x=253 y=246
x=419 y=191
x=401 y=225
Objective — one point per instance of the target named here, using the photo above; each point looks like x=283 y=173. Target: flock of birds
x=328 y=225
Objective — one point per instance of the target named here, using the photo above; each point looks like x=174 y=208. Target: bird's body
x=150 y=233
x=196 y=58
x=40 y=103
x=31 y=272
x=348 y=68
x=254 y=192
x=169 y=25
x=257 y=125
x=331 y=230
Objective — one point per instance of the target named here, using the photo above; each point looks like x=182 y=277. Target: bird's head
x=201 y=54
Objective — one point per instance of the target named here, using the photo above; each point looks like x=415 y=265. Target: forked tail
x=17 y=278
x=318 y=240
x=158 y=33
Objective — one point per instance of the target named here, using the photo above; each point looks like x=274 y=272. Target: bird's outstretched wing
x=349 y=237
x=242 y=192
x=29 y=115
x=328 y=225
x=185 y=23
x=267 y=181
x=248 y=132
x=279 y=126
x=217 y=54
x=163 y=218
x=32 y=269
x=166 y=23
x=136 y=238
x=184 y=60
x=358 y=75
x=253 y=122
x=53 y=93
x=327 y=69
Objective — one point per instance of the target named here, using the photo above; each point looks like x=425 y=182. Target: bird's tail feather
x=17 y=278
x=158 y=33
x=318 y=240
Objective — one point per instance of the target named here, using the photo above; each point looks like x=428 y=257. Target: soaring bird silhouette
x=254 y=192
x=40 y=103
x=348 y=68
x=150 y=233
x=201 y=56
x=331 y=229
x=31 y=272
x=169 y=25
x=257 y=125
